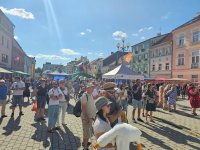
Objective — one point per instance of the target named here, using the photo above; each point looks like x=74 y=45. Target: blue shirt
x=138 y=95
x=3 y=92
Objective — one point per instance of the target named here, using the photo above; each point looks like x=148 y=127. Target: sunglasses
x=111 y=91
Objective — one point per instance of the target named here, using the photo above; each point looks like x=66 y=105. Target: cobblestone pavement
x=170 y=131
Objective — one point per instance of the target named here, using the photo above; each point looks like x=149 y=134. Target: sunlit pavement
x=172 y=130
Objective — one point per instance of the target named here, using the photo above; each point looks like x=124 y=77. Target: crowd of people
x=103 y=104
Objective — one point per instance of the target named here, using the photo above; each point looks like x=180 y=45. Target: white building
x=6 y=37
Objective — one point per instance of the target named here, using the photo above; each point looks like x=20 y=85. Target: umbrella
x=2 y=70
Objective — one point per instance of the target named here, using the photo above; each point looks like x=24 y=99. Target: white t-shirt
x=54 y=92
x=99 y=127
x=95 y=92
x=19 y=84
x=65 y=92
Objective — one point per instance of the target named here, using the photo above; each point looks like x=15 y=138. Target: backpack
x=77 y=107
x=67 y=97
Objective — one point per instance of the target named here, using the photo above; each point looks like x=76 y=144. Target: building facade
x=6 y=38
x=160 y=58
x=95 y=66
x=18 y=55
x=29 y=65
x=186 y=50
x=113 y=60
x=50 y=66
x=141 y=60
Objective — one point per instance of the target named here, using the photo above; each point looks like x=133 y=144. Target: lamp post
x=123 y=48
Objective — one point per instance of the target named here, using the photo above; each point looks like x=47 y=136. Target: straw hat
x=109 y=86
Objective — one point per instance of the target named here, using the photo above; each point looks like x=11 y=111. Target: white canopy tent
x=122 y=72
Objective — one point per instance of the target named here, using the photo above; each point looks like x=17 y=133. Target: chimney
x=159 y=34
x=197 y=14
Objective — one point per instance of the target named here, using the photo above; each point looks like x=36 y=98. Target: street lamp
x=123 y=48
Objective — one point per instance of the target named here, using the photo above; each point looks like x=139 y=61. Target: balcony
x=195 y=65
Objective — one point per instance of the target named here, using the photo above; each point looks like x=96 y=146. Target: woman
x=123 y=98
x=41 y=99
x=151 y=102
x=194 y=98
x=55 y=95
x=102 y=124
x=63 y=102
x=172 y=97
x=165 y=96
x=161 y=92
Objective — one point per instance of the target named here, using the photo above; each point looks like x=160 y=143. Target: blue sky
x=58 y=31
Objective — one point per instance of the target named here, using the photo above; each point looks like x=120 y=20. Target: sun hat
x=109 y=86
x=2 y=81
x=101 y=102
x=89 y=85
x=42 y=79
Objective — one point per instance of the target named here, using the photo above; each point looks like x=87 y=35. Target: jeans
x=53 y=111
x=62 y=111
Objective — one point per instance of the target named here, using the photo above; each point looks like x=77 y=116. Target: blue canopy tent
x=58 y=75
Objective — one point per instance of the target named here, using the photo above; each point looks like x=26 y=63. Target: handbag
x=34 y=107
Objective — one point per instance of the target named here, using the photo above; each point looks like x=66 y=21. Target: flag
x=84 y=67
x=128 y=57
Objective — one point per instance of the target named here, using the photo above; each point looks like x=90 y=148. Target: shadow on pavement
x=41 y=134
x=12 y=125
x=172 y=135
x=164 y=112
x=183 y=113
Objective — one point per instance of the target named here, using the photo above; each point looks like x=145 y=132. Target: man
x=3 y=96
x=137 y=100
x=88 y=114
x=95 y=93
x=76 y=87
x=18 y=87
x=115 y=109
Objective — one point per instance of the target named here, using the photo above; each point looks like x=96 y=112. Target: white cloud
x=118 y=35
x=89 y=53
x=100 y=54
x=82 y=33
x=16 y=37
x=20 y=12
x=166 y=16
x=135 y=34
x=89 y=30
x=142 y=38
x=49 y=57
x=145 y=29
x=69 y=52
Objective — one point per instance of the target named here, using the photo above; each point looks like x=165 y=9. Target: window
x=194 y=78
x=145 y=56
x=180 y=59
x=157 y=53
x=168 y=51
x=181 y=40
x=4 y=58
x=163 y=52
x=7 y=43
x=153 y=68
x=195 y=57
x=167 y=66
x=195 y=37
x=139 y=58
x=180 y=76
x=160 y=67
x=2 y=40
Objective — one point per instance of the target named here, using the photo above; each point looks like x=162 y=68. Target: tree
x=38 y=70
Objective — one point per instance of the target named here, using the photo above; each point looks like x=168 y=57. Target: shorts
x=17 y=100
x=87 y=129
x=137 y=104
x=124 y=105
x=41 y=101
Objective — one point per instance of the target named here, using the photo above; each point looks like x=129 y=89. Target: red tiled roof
x=166 y=38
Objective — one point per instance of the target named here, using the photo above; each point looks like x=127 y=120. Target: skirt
x=151 y=106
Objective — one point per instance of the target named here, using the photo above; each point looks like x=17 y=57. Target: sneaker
x=195 y=114
x=139 y=119
x=43 y=119
x=3 y=116
x=21 y=113
x=134 y=121
x=50 y=131
x=12 y=115
x=57 y=128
